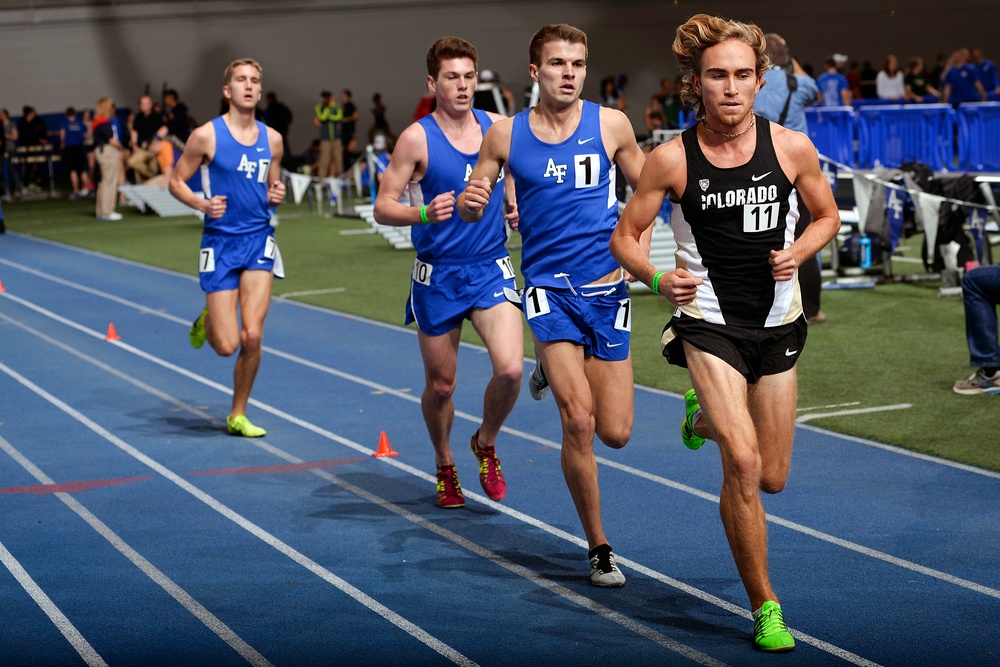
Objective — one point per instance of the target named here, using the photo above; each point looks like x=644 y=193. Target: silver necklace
x=753 y=120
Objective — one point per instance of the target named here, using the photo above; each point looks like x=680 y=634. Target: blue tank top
x=240 y=173
x=567 y=204
x=449 y=169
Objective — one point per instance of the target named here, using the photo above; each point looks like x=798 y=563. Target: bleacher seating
x=398 y=237
x=157 y=199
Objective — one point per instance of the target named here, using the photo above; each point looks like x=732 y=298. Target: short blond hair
x=228 y=75
x=105 y=108
x=704 y=31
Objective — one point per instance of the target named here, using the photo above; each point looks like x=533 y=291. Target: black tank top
x=733 y=218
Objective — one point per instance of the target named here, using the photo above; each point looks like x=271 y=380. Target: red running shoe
x=449 y=491
x=490 y=475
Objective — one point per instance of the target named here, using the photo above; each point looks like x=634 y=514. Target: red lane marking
x=285 y=467
x=72 y=487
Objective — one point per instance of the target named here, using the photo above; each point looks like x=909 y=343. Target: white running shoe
x=538 y=386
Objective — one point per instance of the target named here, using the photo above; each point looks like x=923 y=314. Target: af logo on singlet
x=586 y=170
x=254 y=167
x=760 y=204
x=468 y=173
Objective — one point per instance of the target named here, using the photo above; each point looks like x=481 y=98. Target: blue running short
x=443 y=294
x=598 y=318
x=223 y=257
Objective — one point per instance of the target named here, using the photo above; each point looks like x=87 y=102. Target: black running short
x=752 y=352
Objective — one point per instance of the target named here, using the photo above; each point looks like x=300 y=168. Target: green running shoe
x=240 y=425
x=769 y=629
x=692 y=410
x=197 y=333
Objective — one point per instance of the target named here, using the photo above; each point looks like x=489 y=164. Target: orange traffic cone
x=384 y=448
x=112 y=334
x=2 y=288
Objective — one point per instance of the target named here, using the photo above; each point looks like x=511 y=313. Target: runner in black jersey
x=738 y=326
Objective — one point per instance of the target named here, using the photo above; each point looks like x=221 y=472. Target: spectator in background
x=834 y=90
x=655 y=119
x=987 y=73
x=8 y=139
x=32 y=134
x=175 y=113
x=918 y=84
x=981 y=293
x=349 y=128
x=937 y=74
x=961 y=81
x=889 y=82
x=331 y=150
x=87 y=116
x=787 y=89
x=491 y=96
x=72 y=134
x=379 y=122
x=611 y=96
x=148 y=123
x=425 y=106
x=278 y=116
x=163 y=148
x=4 y=179
x=107 y=150
x=381 y=154
x=308 y=162
x=670 y=101
x=854 y=79
x=867 y=75
x=783 y=99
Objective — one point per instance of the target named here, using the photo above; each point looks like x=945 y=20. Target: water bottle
x=865 y=252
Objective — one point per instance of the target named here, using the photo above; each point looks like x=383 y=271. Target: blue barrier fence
x=979 y=136
x=889 y=135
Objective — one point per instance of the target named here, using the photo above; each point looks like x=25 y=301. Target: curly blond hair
x=703 y=31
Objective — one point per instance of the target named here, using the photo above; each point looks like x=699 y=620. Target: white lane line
x=827 y=407
x=403 y=624
x=309 y=292
x=63 y=624
x=524 y=518
x=859 y=411
x=212 y=622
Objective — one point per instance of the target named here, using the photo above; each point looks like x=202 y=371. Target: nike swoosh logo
x=260 y=149
x=262 y=261
x=496 y=294
x=761 y=177
x=790 y=353
x=615 y=344
x=583 y=141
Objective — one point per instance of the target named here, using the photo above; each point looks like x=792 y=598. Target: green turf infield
x=895 y=344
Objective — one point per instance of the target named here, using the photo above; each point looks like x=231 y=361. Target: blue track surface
x=135 y=531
